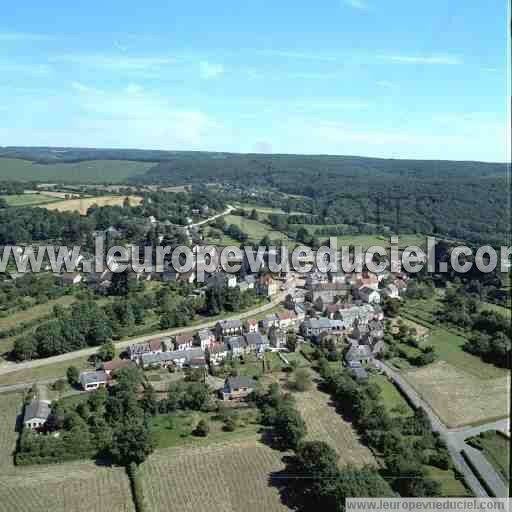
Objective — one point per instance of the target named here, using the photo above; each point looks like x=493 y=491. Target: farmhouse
x=267 y=286
x=117 y=364
x=237 y=345
x=205 y=338
x=237 y=388
x=228 y=328
x=256 y=342
x=369 y=295
x=154 y=346
x=316 y=326
x=358 y=354
x=36 y=414
x=183 y=341
x=217 y=353
x=91 y=381
x=177 y=358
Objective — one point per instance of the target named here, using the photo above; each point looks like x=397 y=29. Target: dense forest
x=462 y=200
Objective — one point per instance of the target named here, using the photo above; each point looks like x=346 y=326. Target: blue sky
x=382 y=78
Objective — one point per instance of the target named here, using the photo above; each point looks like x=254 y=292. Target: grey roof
x=255 y=338
x=234 y=383
x=37 y=409
x=318 y=323
x=93 y=377
x=358 y=352
x=175 y=355
x=236 y=342
x=359 y=373
x=230 y=324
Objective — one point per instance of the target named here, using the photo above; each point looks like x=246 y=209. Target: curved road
x=13 y=367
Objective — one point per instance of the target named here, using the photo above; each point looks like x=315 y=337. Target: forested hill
x=463 y=200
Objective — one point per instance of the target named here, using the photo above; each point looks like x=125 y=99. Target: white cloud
x=133 y=89
x=450 y=60
x=357 y=4
x=288 y=54
x=25 y=36
x=115 y=62
x=209 y=70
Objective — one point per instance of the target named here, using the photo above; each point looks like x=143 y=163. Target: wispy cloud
x=209 y=70
x=115 y=62
x=450 y=60
x=287 y=54
x=357 y=4
x=25 y=36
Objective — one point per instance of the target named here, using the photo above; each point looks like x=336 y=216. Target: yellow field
x=460 y=398
x=228 y=478
x=82 y=205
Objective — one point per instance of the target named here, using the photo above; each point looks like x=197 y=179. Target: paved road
x=455 y=440
x=227 y=211
x=13 y=367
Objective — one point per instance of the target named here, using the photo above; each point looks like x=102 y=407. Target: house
x=286 y=319
x=176 y=358
x=221 y=280
x=256 y=342
x=228 y=328
x=314 y=327
x=359 y=353
x=369 y=295
x=267 y=286
x=328 y=292
x=71 y=278
x=36 y=414
x=238 y=388
x=184 y=341
x=277 y=338
x=117 y=364
x=359 y=315
x=205 y=338
x=251 y=325
x=237 y=345
x=358 y=372
x=217 y=353
x=154 y=346
x=269 y=321
x=91 y=381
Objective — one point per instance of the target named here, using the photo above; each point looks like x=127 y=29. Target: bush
x=202 y=429
x=229 y=424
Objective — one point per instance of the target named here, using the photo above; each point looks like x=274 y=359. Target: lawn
x=46 y=372
x=496 y=449
x=366 y=241
x=28 y=199
x=91 y=171
x=394 y=402
x=450 y=486
x=172 y=430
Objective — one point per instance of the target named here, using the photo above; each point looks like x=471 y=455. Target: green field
x=255 y=230
x=28 y=199
x=91 y=171
x=176 y=429
x=393 y=400
x=450 y=486
x=496 y=449
x=448 y=342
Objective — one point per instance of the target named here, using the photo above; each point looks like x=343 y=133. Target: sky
x=385 y=78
